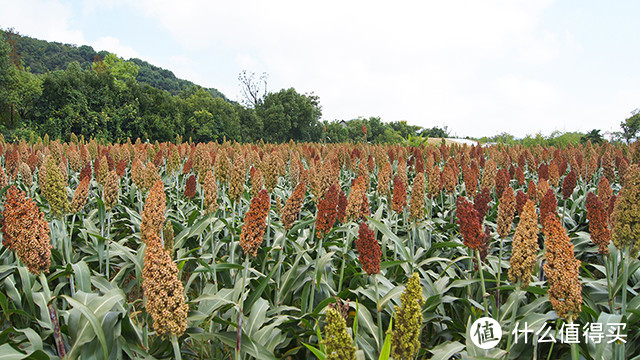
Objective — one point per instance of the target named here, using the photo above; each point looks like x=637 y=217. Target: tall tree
x=288 y=115
x=253 y=90
x=594 y=136
x=631 y=126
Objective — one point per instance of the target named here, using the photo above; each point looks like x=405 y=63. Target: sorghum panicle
x=254 y=223
x=80 y=195
x=481 y=203
x=337 y=341
x=55 y=189
x=525 y=246
x=626 y=213
x=598 y=223
x=111 y=189
x=548 y=206
x=521 y=199
x=154 y=208
x=506 y=211
x=369 y=252
x=416 y=207
x=327 y=211
x=384 y=177
x=163 y=291
x=190 y=187
x=405 y=336
x=469 y=222
x=293 y=205
x=356 y=196
x=568 y=184
x=399 y=195
x=562 y=270
x=604 y=190
x=210 y=189
x=25 y=231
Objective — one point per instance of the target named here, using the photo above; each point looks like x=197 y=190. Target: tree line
x=113 y=99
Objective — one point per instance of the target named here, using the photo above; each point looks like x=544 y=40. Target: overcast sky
x=478 y=67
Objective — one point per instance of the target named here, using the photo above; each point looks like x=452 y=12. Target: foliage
x=630 y=127
x=91 y=303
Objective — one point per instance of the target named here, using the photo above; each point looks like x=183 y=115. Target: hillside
x=41 y=56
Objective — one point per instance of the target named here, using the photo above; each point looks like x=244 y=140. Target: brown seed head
x=562 y=270
x=80 y=195
x=626 y=213
x=525 y=246
x=163 y=291
x=327 y=211
x=153 y=214
x=416 y=208
x=568 y=184
x=506 y=211
x=111 y=190
x=210 y=189
x=369 y=252
x=399 y=200
x=25 y=231
x=598 y=223
x=293 y=205
x=254 y=226
x=469 y=222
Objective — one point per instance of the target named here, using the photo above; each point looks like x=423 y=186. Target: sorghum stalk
x=241 y=305
x=485 y=301
x=347 y=246
x=176 y=348
x=232 y=250
x=378 y=313
x=315 y=272
x=71 y=277
x=514 y=315
x=107 y=243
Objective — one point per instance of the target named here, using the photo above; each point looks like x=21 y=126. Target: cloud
x=47 y=20
x=411 y=61
x=113 y=45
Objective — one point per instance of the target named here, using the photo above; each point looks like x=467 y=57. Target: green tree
x=594 y=136
x=287 y=115
x=631 y=126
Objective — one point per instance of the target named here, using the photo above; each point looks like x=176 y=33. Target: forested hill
x=54 y=89
x=41 y=56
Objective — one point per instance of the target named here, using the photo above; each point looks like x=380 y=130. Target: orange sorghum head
x=399 y=200
x=210 y=189
x=254 y=226
x=25 y=231
x=80 y=195
x=154 y=208
x=562 y=270
x=598 y=223
x=506 y=211
x=293 y=205
x=327 y=211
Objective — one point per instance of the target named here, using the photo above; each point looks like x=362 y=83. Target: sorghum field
x=336 y=251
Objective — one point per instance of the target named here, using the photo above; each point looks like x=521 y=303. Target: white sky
x=478 y=67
